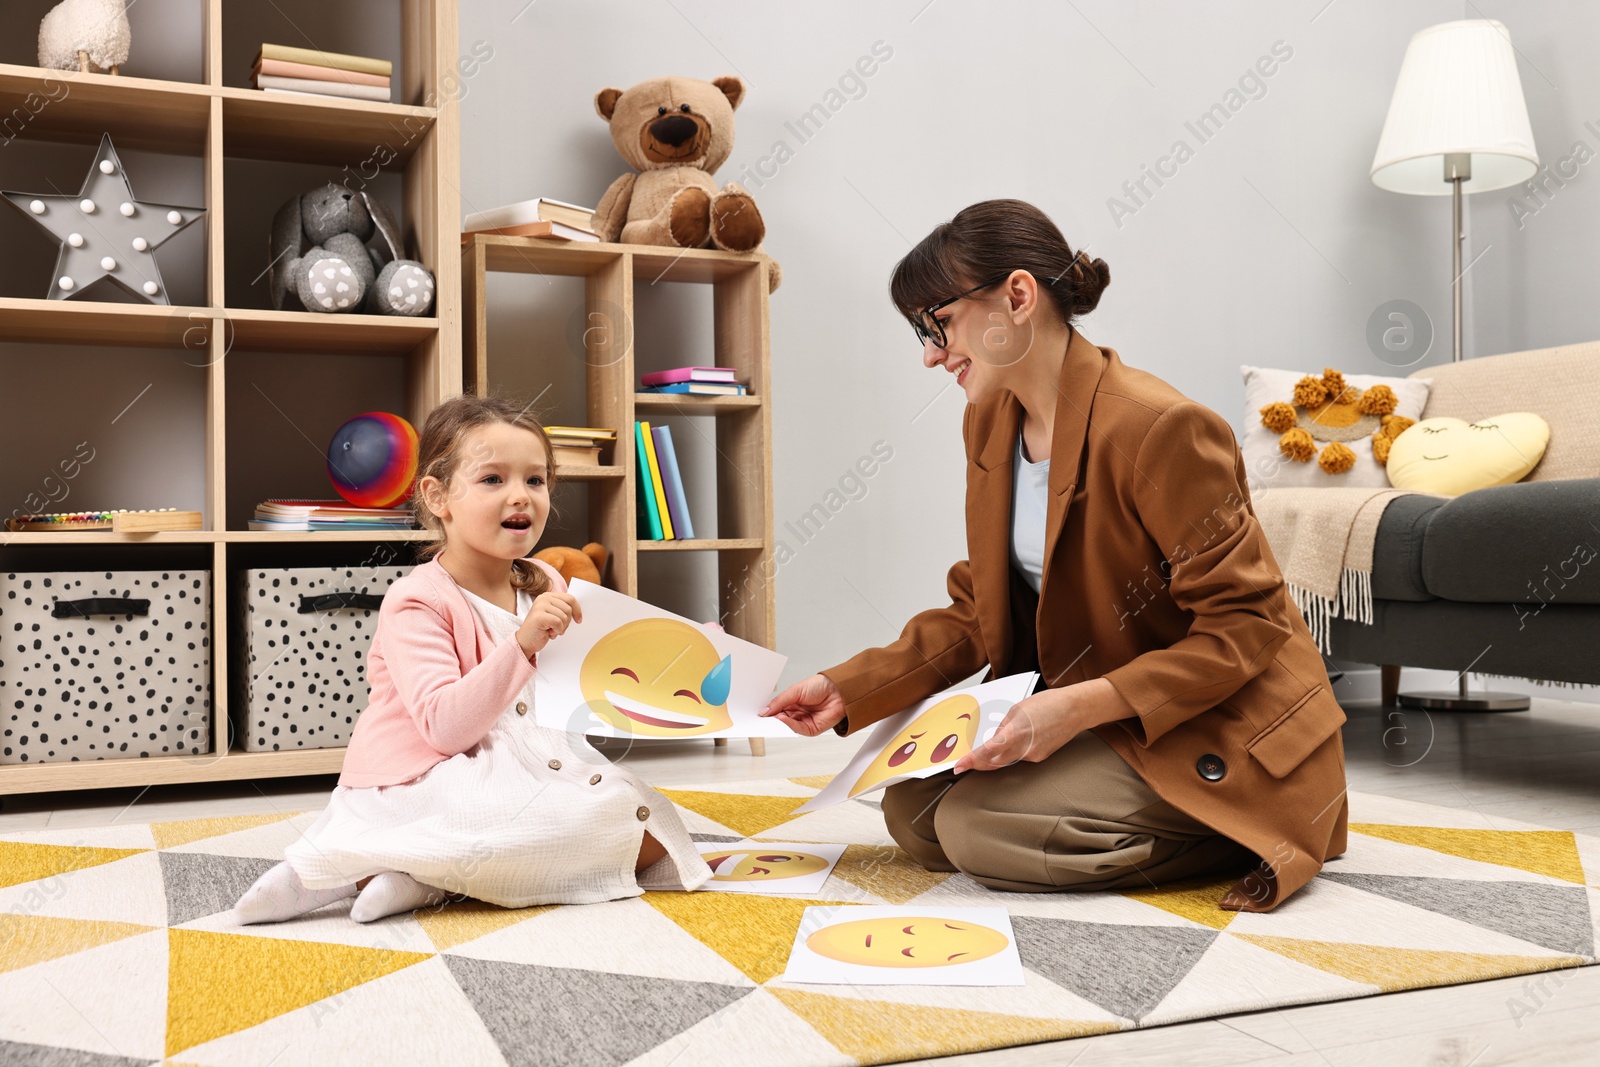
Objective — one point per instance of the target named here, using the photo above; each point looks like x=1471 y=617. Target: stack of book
x=578 y=445
x=663 y=509
x=695 y=381
x=328 y=515
x=281 y=68
x=539 y=217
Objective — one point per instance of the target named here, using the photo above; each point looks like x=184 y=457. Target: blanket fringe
x=1353 y=602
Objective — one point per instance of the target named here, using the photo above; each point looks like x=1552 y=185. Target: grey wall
x=1269 y=246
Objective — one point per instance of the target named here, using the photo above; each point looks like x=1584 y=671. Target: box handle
x=99 y=605
x=335 y=601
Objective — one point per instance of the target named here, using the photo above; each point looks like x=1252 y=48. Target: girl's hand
x=548 y=619
x=808 y=707
x=1038 y=725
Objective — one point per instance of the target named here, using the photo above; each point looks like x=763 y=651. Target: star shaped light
x=106 y=233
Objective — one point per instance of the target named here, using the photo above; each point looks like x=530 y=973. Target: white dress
x=521 y=818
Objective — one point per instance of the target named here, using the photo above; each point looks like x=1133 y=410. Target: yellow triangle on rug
x=873 y=1031
x=1394 y=969
x=219 y=984
x=1553 y=853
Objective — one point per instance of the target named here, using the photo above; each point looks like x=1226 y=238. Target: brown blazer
x=1158 y=577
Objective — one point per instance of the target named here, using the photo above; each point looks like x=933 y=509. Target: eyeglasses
x=931 y=329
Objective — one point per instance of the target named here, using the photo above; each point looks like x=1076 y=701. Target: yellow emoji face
x=657 y=678
x=906 y=941
x=942 y=734
x=756 y=866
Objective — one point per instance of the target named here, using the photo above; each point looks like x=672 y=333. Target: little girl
x=449 y=785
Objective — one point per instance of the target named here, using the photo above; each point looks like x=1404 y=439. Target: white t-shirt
x=1030 y=493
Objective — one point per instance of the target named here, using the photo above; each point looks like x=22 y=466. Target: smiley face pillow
x=1452 y=456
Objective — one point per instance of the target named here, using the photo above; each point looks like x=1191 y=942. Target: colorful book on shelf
x=524 y=212
x=649 y=518
x=333 y=513
x=689 y=374
x=317 y=58
x=552 y=230
x=660 y=491
x=343 y=90
x=698 y=389
x=672 y=482
x=284 y=69
x=599 y=433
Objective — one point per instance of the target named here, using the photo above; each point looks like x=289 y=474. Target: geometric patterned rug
x=117 y=948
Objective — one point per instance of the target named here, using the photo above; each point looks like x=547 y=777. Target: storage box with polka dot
x=304 y=634
x=104 y=665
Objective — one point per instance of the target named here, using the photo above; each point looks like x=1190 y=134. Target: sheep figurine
x=76 y=33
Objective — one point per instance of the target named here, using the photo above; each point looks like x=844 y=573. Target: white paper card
x=888 y=944
x=630 y=669
x=925 y=739
x=770 y=868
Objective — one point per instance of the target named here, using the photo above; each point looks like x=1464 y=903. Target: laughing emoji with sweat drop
x=658 y=678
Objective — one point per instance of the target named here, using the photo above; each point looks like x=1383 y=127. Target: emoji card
x=890 y=944
x=633 y=670
x=768 y=867
x=925 y=738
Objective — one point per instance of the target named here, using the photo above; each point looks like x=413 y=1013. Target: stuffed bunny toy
x=322 y=261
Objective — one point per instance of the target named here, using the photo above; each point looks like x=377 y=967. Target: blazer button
x=643 y=813
x=594 y=779
x=555 y=765
x=1211 y=767
x=522 y=708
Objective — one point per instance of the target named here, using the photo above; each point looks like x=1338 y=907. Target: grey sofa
x=1503 y=580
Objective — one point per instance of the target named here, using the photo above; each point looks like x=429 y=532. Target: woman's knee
x=908 y=813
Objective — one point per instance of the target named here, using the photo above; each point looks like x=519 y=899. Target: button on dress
x=529 y=815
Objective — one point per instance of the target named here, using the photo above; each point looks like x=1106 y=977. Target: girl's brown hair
x=440 y=452
x=996 y=237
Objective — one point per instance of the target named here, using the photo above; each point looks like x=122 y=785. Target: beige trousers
x=1081 y=819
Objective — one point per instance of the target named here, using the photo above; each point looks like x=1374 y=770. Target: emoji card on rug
x=890 y=944
x=633 y=670
x=768 y=867
x=925 y=738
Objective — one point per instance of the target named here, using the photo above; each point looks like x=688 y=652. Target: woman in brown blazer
x=1185 y=724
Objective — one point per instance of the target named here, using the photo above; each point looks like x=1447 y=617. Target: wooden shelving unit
x=216 y=121
x=743 y=424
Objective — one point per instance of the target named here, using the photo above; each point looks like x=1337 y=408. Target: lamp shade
x=1458 y=92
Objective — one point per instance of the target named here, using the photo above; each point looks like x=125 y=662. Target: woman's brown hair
x=439 y=454
x=996 y=237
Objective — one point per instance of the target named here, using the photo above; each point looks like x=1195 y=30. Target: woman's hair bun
x=1089 y=279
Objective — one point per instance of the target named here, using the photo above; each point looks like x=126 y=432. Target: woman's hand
x=1040 y=724
x=808 y=707
x=548 y=619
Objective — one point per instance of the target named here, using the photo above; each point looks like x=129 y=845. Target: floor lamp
x=1457 y=124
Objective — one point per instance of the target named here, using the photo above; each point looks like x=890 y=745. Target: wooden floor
x=1541 y=766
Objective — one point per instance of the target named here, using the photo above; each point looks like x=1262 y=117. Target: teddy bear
x=674 y=133
x=588 y=564
x=1327 y=409
x=322 y=261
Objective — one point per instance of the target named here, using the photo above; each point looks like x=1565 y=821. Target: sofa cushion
x=1397 y=548
x=1557 y=384
x=1271 y=469
x=1527 y=543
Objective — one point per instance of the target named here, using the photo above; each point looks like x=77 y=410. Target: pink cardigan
x=438 y=679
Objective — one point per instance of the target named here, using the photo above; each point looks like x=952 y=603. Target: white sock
x=279 y=894
x=391 y=893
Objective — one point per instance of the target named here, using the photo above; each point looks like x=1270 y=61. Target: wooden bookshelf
x=743 y=424
x=214 y=122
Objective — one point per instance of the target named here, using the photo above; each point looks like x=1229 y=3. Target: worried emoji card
x=925 y=738
x=890 y=944
x=768 y=867
x=633 y=670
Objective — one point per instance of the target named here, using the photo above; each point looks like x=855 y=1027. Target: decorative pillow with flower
x=1332 y=429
